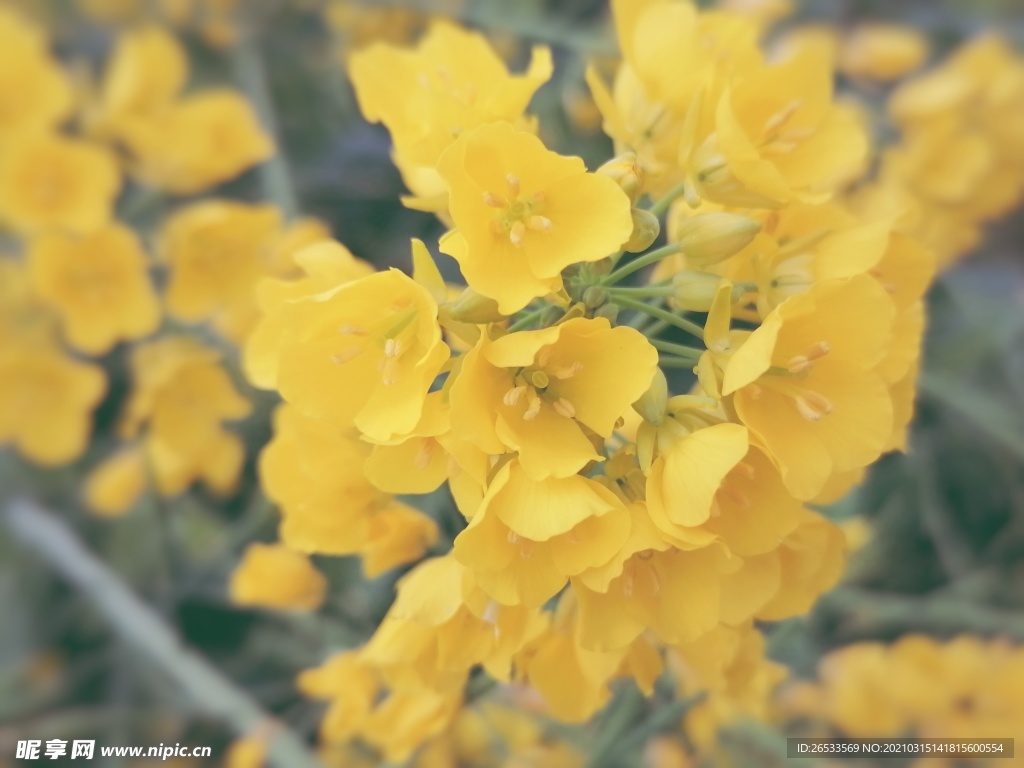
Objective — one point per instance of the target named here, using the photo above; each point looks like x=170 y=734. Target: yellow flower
x=274 y=576
x=51 y=182
x=34 y=93
x=181 y=395
x=573 y=680
x=450 y=84
x=324 y=266
x=674 y=59
x=114 y=487
x=351 y=685
x=883 y=52
x=365 y=353
x=648 y=585
x=146 y=72
x=216 y=252
x=544 y=393
x=529 y=536
x=24 y=319
x=201 y=140
x=406 y=719
x=804 y=381
x=522 y=214
x=685 y=477
x=805 y=244
x=46 y=402
x=307 y=467
x=98 y=283
x=398 y=535
x=778 y=138
x=441 y=625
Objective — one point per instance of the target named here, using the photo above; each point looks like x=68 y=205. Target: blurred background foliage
x=941 y=529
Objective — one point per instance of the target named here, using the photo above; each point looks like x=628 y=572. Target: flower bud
x=472 y=307
x=653 y=403
x=625 y=171
x=710 y=238
x=695 y=291
x=595 y=296
x=646 y=229
x=609 y=312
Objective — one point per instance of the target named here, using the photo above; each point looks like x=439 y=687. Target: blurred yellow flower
x=522 y=214
x=274 y=576
x=883 y=52
x=113 y=487
x=778 y=138
x=48 y=181
x=180 y=397
x=216 y=252
x=98 y=283
x=201 y=140
x=46 y=402
x=248 y=752
x=34 y=93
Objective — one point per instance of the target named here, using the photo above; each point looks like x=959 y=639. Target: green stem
x=676 y=362
x=661 y=204
x=528 y=319
x=644 y=261
x=642 y=292
x=209 y=692
x=662 y=314
x=275 y=174
x=680 y=350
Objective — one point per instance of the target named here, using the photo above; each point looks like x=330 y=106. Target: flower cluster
x=76 y=277
x=968 y=687
x=958 y=164
x=627 y=499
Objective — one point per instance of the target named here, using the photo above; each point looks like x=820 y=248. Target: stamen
x=804 y=362
x=627 y=583
x=777 y=120
x=645 y=554
x=526 y=550
x=567 y=371
x=346 y=355
x=491 y=613
x=539 y=379
x=755 y=391
x=513 y=184
x=531 y=413
x=812 y=406
x=425 y=453
x=736 y=496
x=564 y=408
x=513 y=537
x=746 y=469
x=392 y=348
x=352 y=330
x=515 y=234
x=514 y=395
x=539 y=223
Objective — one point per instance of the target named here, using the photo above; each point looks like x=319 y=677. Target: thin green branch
x=662 y=314
x=141 y=628
x=679 y=350
x=644 y=261
x=275 y=174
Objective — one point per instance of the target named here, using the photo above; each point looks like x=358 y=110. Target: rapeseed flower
x=49 y=181
x=98 y=283
x=46 y=402
x=522 y=214
x=274 y=576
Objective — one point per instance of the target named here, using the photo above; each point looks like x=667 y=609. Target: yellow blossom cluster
x=77 y=280
x=958 y=164
x=968 y=687
x=620 y=511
